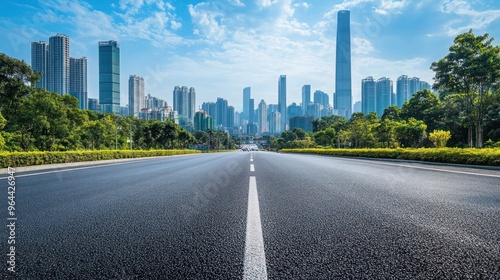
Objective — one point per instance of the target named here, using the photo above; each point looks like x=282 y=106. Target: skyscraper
x=251 y=110
x=184 y=104
x=135 y=95
x=247 y=92
x=109 y=77
x=262 y=116
x=306 y=98
x=40 y=62
x=343 y=92
x=384 y=94
x=282 y=101
x=321 y=98
x=58 y=64
x=78 y=80
x=230 y=117
x=275 y=122
x=210 y=108
x=221 y=119
x=368 y=95
x=402 y=90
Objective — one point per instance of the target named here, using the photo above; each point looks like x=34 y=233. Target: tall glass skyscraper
x=78 y=80
x=109 y=77
x=58 y=66
x=246 y=102
x=40 y=62
x=282 y=101
x=343 y=92
x=306 y=98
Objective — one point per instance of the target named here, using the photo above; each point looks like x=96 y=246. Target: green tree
x=439 y=138
x=325 y=137
x=471 y=68
x=392 y=112
x=424 y=106
x=411 y=133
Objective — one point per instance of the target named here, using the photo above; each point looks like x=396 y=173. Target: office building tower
x=343 y=91
x=136 y=99
x=294 y=110
x=78 y=80
x=93 y=105
x=247 y=92
x=321 y=98
x=384 y=93
x=306 y=98
x=221 y=119
x=58 y=66
x=275 y=122
x=109 y=76
x=282 y=101
x=424 y=85
x=303 y=122
x=314 y=109
x=230 y=117
x=368 y=95
x=402 y=90
x=40 y=62
x=262 y=116
x=271 y=108
x=191 y=103
x=251 y=108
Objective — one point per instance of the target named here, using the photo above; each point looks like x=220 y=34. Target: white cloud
x=175 y=25
x=205 y=19
x=237 y=3
x=361 y=46
x=346 y=5
x=469 y=17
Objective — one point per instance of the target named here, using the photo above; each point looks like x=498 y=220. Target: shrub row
x=18 y=159
x=445 y=155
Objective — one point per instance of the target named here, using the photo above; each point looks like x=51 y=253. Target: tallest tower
x=343 y=93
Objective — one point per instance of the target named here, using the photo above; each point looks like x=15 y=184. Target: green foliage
x=37 y=158
x=445 y=155
x=470 y=69
x=411 y=133
x=439 y=138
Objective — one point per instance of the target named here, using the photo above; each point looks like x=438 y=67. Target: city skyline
x=248 y=43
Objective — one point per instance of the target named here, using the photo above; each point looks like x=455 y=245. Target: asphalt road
x=255 y=215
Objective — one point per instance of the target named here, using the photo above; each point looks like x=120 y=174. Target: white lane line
x=428 y=168
x=252 y=168
x=251 y=159
x=254 y=266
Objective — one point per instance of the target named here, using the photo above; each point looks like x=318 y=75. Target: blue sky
x=220 y=47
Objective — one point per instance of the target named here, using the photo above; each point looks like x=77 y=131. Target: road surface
x=255 y=215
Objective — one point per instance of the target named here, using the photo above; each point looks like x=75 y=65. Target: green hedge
x=18 y=159
x=446 y=155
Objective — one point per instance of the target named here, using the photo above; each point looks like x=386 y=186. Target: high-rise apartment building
x=368 y=95
x=222 y=118
x=402 y=90
x=282 y=108
x=78 y=80
x=251 y=111
x=109 y=76
x=40 y=62
x=135 y=95
x=306 y=98
x=384 y=94
x=262 y=116
x=343 y=91
x=58 y=64
x=230 y=117
x=184 y=104
x=210 y=108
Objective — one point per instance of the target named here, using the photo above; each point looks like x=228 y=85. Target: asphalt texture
x=185 y=217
